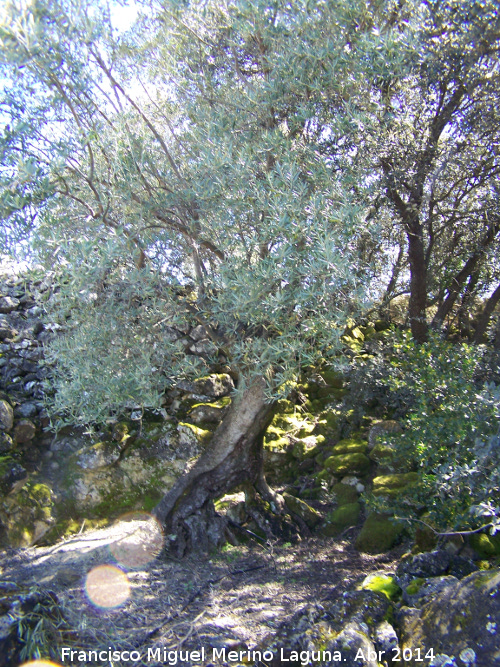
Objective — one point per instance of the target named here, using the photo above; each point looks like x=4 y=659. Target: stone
x=7 y=332
x=10 y=473
x=350 y=445
x=215 y=385
x=6 y=415
x=27 y=410
x=341 y=518
x=355 y=463
x=394 y=484
x=97 y=456
x=8 y=304
x=6 y=443
x=345 y=494
x=382 y=583
x=355 y=645
x=192 y=437
x=385 y=638
x=379 y=534
x=430 y=564
x=24 y=431
x=208 y=412
x=462 y=618
x=310 y=516
x=485 y=545
x=203 y=348
x=420 y=591
x=198 y=333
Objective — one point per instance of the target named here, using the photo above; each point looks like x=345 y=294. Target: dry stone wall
x=50 y=483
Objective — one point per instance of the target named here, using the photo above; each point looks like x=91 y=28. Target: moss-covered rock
x=211 y=413
x=307 y=447
x=350 y=445
x=214 y=385
x=460 y=620
x=191 y=434
x=329 y=422
x=341 y=518
x=309 y=515
x=6 y=415
x=345 y=494
x=332 y=378
x=486 y=545
x=394 y=484
x=379 y=534
x=26 y=516
x=355 y=463
x=382 y=583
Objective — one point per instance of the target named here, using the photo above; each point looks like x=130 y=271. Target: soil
x=237 y=598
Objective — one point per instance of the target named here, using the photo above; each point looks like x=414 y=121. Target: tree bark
x=418 y=284
x=485 y=317
x=234 y=456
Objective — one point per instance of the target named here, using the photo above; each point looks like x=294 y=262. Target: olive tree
x=200 y=168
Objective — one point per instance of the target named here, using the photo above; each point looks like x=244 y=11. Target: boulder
x=310 y=516
x=460 y=623
x=100 y=455
x=215 y=385
x=420 y=591
x=341 y=518
x=350 y=445
x=355 y=463
x=394 y=484
x=6 y=443
x=209 y=412
x=6 y=415
x=8 y=304
x=379 y=534
x=24 y=431
x=432 y=564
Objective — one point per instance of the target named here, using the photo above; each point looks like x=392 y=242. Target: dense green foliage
x=269 y=171
x=450 y=433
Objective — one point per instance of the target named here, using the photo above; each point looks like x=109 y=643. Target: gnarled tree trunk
x=233 y=457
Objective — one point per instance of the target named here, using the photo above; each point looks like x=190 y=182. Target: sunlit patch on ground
x=140 y=543
x=107 y=586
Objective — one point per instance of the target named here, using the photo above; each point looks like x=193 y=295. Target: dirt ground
x=115 y=592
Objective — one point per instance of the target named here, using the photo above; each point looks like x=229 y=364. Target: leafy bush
x=450 y=433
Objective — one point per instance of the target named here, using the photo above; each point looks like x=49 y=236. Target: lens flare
x=107 y=586
x=141 y=542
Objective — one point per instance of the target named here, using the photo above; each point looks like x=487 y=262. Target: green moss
x=414 y=586
x=6 y=463
x=219 y=403
x=382 y=583
x=486 y=545
x=285 y=406
x=202 y=434
x=341 y=518
x=391 y=485
x=280 y=444
x=328 y=423
x=42 y=494
x=309 y=515
x=355 y=463
x=304 y=448
x=382 y=453
x=379 y=534
x=332 y=378
x=349 y=445
x=345 y=494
